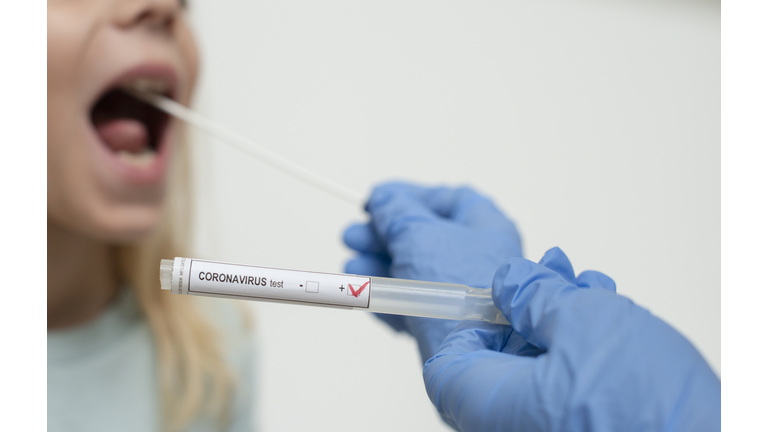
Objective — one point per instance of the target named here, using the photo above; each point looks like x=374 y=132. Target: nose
x=159 y=15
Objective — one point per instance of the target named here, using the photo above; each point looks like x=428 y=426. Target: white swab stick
x=289 y=167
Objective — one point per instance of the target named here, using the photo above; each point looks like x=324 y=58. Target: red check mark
x=357 y=293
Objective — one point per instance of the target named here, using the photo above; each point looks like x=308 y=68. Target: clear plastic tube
x=372 y=294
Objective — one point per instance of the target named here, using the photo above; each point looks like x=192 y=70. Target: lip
x=156 y=71
x=154 y=172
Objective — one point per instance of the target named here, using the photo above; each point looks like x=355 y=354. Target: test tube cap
x=166 y=274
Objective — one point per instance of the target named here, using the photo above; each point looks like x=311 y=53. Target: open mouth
x=129 y=127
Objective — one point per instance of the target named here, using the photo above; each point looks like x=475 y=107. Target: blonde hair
x=195 y=380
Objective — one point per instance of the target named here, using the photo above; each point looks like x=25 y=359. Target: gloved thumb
x=595 y=279
x=556 y=260
x=529 y=296
x=392 y=210
x=363 y=238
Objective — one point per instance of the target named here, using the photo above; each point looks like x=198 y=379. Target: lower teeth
x=143 y=159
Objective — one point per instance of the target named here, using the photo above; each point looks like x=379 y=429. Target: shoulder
x=112 y=355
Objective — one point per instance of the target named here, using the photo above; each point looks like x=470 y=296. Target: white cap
x=166 y=274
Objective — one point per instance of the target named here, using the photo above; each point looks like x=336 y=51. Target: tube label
x=192 y=276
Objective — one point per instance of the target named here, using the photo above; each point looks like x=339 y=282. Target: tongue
x=124 y=135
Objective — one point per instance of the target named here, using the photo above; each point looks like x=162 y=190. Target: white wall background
x=595 y=124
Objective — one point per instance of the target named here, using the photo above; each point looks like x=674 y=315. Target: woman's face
x=108 y=155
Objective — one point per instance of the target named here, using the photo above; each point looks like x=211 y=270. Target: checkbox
x=313 y=287
x=356 y=290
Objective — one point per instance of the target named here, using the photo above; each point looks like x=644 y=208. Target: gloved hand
x=431 y=234
x=604 y=364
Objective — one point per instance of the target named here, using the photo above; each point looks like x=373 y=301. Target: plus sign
x=341 y=288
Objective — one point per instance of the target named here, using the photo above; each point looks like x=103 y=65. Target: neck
x=82 y=277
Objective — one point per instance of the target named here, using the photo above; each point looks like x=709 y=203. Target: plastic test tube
x=372 y=294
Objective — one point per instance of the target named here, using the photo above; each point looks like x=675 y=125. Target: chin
x=127 y=226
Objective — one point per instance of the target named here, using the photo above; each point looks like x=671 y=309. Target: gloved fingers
x=595 y=279
x=468 y=376
x=363 y=238
x=530 y=296
x=467 y=207
x=518 y=346
x=452 y=203
x=429 y=333
x=556 y=260
x=368 y=265
x=382 y=193
x=469 y=336
x=393 y=210
x=483 y=390
x=462 y=205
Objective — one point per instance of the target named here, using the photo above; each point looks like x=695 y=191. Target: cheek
x=189 y=55
x=68 y=169
x=64 y=107
x=71 y=29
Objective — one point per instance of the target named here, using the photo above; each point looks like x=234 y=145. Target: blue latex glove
x=431 y=234
x=605 y=364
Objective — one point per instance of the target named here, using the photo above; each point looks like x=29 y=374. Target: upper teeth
x=146 y=85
